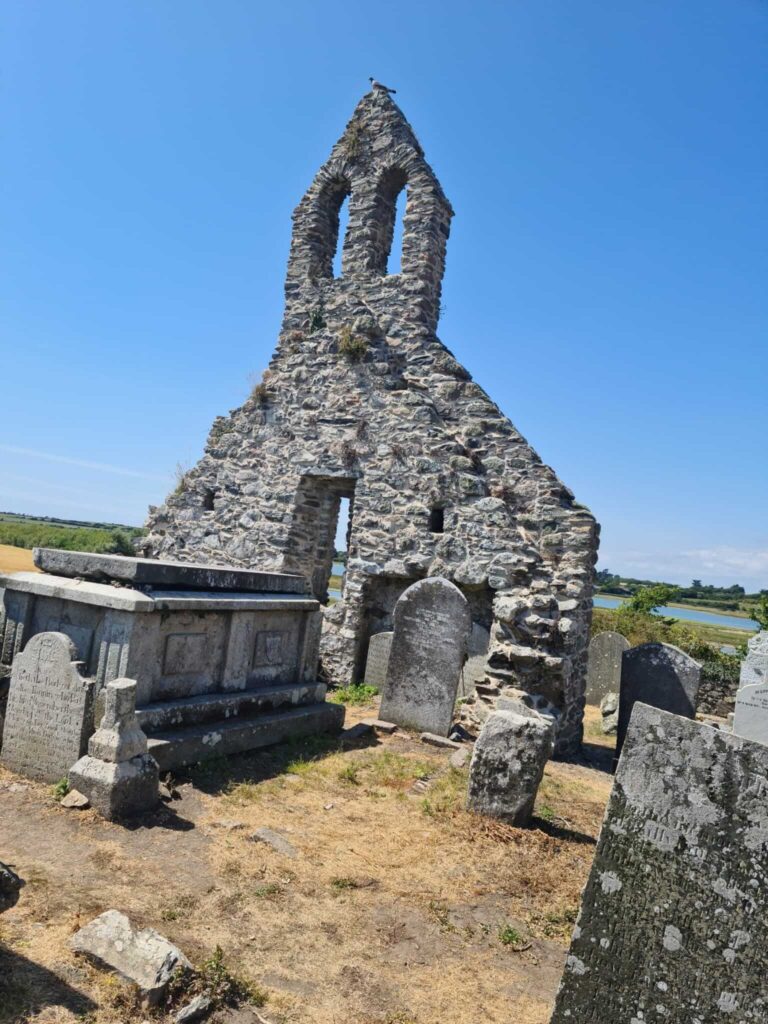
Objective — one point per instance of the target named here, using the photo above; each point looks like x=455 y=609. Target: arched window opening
x=323 y=237
x=342 y=222
x=437 y=520
x=208 y=496
x=395 y=257
x=390 y=208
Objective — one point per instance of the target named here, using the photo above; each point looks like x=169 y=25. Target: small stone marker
x=142 y=957
x=750 y=718
x=48 y=717
x=432 y=623
x=278 y=843
x=604 y=665
x=507 y=765
x=674 y=918
x=609 y=709
x=378 y=658
x=117 y=775
x=660 y=675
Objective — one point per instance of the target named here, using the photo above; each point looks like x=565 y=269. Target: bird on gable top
x=379 y=87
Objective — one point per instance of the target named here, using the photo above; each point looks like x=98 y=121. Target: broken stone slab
x=507 y=766
x=145 y=957
x=155 y=573
x=119 y=736
x=278 y=843
x=117 y=790
x=439 y=741
x=200 y=1007
x=74 y=801
x=379 y=726
x=356 y=732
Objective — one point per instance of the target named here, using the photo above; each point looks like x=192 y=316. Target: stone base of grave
x=183 y=732
x=117 y=790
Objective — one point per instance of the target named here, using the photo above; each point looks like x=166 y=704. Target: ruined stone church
x=362 y=401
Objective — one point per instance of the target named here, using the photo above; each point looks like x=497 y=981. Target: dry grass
x=390 y=913
x=14 y=559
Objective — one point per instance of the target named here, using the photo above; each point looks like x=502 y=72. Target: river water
x=686 y=614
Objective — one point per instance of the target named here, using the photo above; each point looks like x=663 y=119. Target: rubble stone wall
x=361 y=400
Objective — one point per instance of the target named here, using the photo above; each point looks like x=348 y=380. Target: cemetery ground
x=397 y=906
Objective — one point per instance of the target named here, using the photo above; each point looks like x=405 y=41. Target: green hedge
x=71 y=538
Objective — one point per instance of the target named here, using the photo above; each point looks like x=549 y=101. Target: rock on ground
x=278 y=843
x=609 y=709
x=142 y=957
x=507 y=766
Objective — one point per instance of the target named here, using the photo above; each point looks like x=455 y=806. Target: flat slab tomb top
x=149 y=572
x=128 y=599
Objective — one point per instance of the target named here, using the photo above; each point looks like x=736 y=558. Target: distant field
x=16 y=559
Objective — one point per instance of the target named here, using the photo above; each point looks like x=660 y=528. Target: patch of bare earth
x=399 y=907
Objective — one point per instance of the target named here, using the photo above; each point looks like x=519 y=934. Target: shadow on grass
x=595 y=755
x=562 y=832
x=218 y=774
x=164 y=817
x=26 y=989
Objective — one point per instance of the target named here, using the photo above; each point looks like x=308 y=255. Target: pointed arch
x=390 y=185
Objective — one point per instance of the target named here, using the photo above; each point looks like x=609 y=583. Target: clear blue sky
x=606 y=269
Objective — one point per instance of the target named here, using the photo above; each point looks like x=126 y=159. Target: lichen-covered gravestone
x=604 y=666
x=431 y=628
x=508 y=763
x=378 y=658
x=49 y=713
x=674 y=918
x=751 y=713
x=660 y=675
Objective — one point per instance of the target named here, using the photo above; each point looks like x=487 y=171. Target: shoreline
x=678 y=604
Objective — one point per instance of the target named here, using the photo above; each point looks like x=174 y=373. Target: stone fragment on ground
x=356 y=732
x=143 y=957
x=439 y=741
x=278 y=843
x=199 y=1007
x=459 y=758
x=507 y=766
x=74 y=801
x=379 y=726
x=609 y=709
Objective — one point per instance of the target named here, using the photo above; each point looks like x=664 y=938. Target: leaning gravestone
x=750 y=718
x=604 y=666
x=378 y=658
x=49 y=713
x=660 y=675
x=674 y=917
x=431 y=628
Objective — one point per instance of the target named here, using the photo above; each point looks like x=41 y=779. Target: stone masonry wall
x=361 y=400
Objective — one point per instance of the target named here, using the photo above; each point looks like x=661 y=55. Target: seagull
x=379 y=87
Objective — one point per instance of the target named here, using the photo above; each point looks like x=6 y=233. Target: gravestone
x=508 y=763
x=674 y=917
x=431 y=628
x=660 y=675
x=473 y=671
x=604 y=666
x=378 y=658
x=117 y=774
x=750 y=718
x=49 y=713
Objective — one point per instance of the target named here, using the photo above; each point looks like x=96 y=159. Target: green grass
x=357 y=693
x=30 y=533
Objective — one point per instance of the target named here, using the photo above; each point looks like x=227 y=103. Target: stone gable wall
x=361 y=400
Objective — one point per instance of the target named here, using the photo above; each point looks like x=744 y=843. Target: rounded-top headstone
x=432 y=622
x=660 y=675
x=604 y=668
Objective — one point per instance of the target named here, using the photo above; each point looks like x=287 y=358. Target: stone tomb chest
x=224 y=659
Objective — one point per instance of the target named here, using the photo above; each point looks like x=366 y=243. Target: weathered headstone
x=378 y=658
x=660 y=675
x=604 y=666
x=750 y=718
x=117 y=775
x=473 y=671
x=674 y=918
x=431 y=627
x=49 y=712
x=508 y=763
